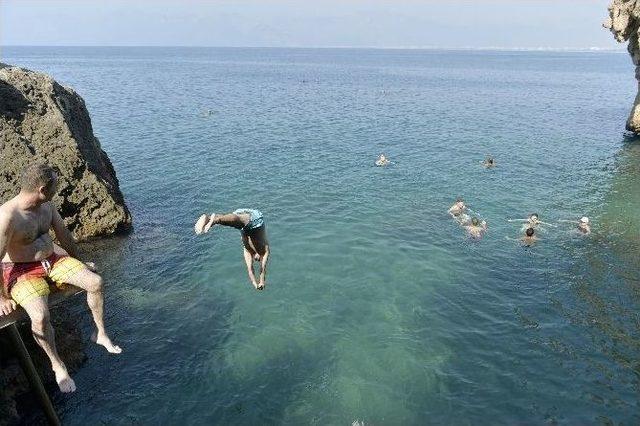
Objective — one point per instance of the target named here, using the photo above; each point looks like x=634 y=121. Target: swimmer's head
x=534 y=217
x=529 y=232
x=475 y=221
x=459 y=202
x=584 y=220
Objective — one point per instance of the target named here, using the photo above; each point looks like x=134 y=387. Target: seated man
x=254 y=238
x=30 y=262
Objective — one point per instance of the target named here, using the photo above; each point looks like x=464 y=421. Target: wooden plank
x=55 y=298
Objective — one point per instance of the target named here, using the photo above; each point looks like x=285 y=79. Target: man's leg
x=91 y=282
x=38 y=311
x=233 y=220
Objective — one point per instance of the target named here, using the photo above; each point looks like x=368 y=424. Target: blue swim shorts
x=256 y=220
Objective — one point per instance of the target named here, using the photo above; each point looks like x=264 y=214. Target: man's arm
x=248 y=259
x=63 y=235
x=263 y=267
x=7 y=305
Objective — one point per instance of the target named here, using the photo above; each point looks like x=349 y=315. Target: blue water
x=378 y=309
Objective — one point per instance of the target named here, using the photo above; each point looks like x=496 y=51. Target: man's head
x=475 y=221
x=529 y=232
x=584 y=221
x=534 y=217
x=39 y=179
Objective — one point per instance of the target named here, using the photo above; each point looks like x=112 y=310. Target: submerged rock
x=42 y=120
x=624 y=23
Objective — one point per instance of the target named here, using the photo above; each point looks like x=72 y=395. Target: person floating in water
x=31 y=261
x=476 y=229
x=382 y=161
x=250 y=222
x=458 y=211
x=533 y=221
x=457 y=208
x=583 y=225
x=489 y=163
x=529 y=238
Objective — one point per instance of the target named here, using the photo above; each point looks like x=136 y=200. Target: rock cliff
x=42 y=120
x=624 y=23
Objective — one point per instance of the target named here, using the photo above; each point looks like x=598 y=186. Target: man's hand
x=91 y=266
x=7 y=305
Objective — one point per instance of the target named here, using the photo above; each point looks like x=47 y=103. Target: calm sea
x=378 y=309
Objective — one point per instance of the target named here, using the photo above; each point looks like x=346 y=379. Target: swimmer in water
x=457 y=211
x=250 y=222
x=382 y=161
x=583 y=225
x=532 y=222
x=476 y=229
x=489 y=163
x=529 y=237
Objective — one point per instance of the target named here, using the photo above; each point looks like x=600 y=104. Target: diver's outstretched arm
x=517 y=220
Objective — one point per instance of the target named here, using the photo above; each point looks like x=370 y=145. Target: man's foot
x=202 y=221
x=65 y=382
x=103 y=340
x=209 y=223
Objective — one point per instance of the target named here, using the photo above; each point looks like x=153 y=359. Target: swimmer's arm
x=63 y=235
x=517 y=220
x=548 y=224
x=6 y=303
x=263 y=266
x=248 y=260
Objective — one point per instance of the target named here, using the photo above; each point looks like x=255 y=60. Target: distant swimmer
x=583 y=225
x=382 y=161
x=476 y=229
x=533 y=221
x=529 y=237
x=488 y=163
x=33 y=266
x=250 y=222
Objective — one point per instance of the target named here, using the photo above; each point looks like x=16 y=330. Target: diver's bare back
x=29 y=240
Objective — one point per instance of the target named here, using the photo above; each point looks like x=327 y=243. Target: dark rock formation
x=42 y=120
x=624 y=23
x=13 y=383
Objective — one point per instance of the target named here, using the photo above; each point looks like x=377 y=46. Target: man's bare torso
x=30 y=240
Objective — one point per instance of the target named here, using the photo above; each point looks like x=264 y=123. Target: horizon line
x=463 y=48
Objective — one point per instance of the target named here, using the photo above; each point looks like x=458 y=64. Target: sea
x=378 y=308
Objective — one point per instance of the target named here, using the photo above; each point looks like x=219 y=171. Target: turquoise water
x=378 y=309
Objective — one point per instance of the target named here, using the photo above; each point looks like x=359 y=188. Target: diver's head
x=534 y=217
x=529 y=232
x=475 y=221
x=584 y=221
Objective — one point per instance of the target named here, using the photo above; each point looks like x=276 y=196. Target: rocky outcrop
x=42 y=120
x=13 y=383
x=624 y=23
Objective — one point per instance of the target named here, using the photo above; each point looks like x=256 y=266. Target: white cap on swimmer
x=584 y=219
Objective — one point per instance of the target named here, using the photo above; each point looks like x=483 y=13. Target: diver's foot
x=201 y=223
x=65 y=382
x=210 y=222
x=103 y=340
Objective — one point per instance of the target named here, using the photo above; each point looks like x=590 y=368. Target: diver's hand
x=7 y=305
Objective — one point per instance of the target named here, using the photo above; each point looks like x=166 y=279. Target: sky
x=306 y=23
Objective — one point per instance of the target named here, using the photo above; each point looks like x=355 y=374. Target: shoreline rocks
x=42 y=120
x=624 y=23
